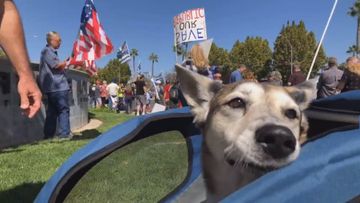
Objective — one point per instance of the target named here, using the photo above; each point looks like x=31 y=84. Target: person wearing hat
x=329 y=79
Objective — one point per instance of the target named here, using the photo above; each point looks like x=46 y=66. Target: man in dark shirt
x=140 y=95
x=53 y=83
x=297 y=76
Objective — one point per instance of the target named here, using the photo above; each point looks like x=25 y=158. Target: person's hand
x=30 y=95
x=62 y=65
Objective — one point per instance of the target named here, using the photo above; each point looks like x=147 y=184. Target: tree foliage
x=113 y=71
x=180 y=50
x=353 y=50
x=303 y=44
x=220 y=57
x=154 y=58
x=354 y=11
x=134 y=53
x=254 y=52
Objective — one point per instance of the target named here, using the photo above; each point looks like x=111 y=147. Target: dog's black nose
x=277 y=141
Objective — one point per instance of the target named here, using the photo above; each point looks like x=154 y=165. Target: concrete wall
x=16 y=129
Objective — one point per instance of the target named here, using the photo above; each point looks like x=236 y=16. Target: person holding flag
x=92 y=43
x=54 y=84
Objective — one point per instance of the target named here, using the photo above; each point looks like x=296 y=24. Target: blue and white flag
x=139 y=67
x=124 y=53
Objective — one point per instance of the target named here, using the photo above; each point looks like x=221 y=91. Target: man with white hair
x=54 y=84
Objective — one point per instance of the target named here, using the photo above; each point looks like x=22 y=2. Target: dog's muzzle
x=277 y=141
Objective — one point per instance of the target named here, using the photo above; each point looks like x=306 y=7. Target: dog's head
x=249 y=122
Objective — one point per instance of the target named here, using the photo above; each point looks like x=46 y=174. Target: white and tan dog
x=248 y=128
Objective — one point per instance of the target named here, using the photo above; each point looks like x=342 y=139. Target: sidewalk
x=93 y=124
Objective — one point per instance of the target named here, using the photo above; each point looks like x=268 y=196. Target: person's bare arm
x=13 y=42
x=61 y=65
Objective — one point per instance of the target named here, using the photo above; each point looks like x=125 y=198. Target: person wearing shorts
x=140 y=95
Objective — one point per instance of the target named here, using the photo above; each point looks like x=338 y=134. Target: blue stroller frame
x=327 y=170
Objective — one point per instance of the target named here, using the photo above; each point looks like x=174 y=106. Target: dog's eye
x=291 y=113
x=236 y=103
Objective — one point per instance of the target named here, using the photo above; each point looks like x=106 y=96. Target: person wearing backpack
x=174 y=95
x=140 y=95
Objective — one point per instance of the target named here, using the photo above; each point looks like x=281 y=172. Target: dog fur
x=231 y=156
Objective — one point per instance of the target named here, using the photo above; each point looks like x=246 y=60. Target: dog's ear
x=303 y=93
x=198 y=91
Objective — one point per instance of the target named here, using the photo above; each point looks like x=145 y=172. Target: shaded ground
x=136 y=168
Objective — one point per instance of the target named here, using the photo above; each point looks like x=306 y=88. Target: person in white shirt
x=112 y=89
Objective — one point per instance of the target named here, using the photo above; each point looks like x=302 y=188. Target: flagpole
x=186 y=49
x=176 y=56
x=321 y=40
x=120 y=74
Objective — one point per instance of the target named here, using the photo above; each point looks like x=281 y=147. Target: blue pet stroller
x=328 y=169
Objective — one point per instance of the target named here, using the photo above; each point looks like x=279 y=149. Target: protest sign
x=190 y=26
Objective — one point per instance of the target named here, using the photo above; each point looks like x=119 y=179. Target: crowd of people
x=135 y=97
x=138 y=97
x=331 y=79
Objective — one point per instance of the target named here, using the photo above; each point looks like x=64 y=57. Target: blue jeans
x=128 y=102
x=57 y=109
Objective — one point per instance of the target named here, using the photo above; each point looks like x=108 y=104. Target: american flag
x=92 y=43
x=124 y=54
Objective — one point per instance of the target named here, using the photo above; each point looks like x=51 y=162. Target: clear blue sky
x=147 y=25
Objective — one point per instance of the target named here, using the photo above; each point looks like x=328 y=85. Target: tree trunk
x=358 y=36
x=152 y=69
x=134 y=65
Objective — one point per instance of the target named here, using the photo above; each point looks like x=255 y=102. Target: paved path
x=93 y=124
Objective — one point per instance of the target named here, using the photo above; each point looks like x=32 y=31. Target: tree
x=114 y=70
x=153 y=58
x=134 y=53
x=254 y=52
x=220 y=57
x=180 y=50
x=354 y=11
x=303 y=44
x=353 y=50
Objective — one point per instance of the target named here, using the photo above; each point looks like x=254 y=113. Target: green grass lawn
x=141 y=172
